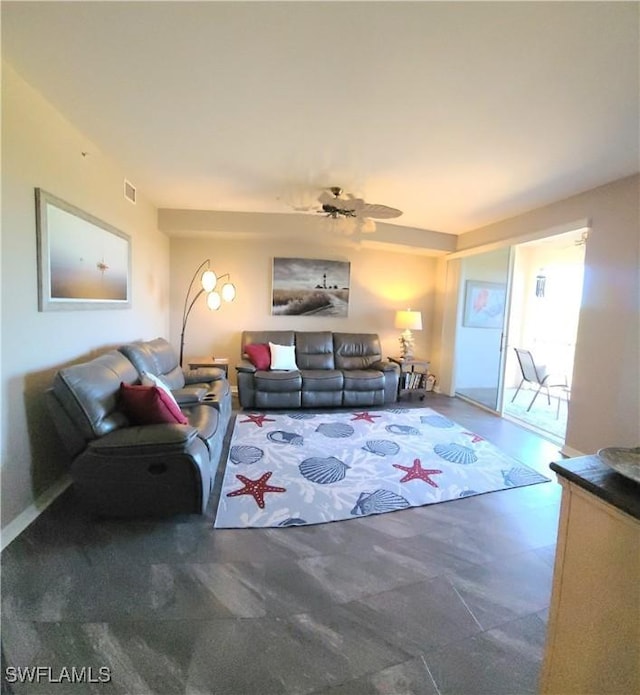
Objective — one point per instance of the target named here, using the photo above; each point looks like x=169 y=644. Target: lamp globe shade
x=228 y=292
x=208 y=280
x=213 y=301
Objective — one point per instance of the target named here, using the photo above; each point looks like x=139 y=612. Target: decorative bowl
x=624 y=461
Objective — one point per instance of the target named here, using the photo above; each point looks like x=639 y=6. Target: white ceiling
x=458 y=113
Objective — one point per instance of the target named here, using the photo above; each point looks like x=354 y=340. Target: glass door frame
x=504 y=331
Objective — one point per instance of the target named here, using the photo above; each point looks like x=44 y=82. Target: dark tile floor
x=448 y=598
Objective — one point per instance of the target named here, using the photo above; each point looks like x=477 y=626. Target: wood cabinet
x=593 y=639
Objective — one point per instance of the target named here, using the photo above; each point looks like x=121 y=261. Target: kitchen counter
x=589 y=473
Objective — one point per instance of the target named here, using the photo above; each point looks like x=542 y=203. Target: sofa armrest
x=385 y=366
x=144 y=440
x=190 y=395
x=202 y=375
x=245 y=366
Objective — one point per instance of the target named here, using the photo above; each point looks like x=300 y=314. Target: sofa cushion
x=259 y=355
x=158 y=357
x=149 y=405
x=356 y=350
x=283 y=357
x=314 y=350
x=363 y=380
x=321 y=380
x=278 y=381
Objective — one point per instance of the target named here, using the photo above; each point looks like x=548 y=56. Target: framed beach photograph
x=310 y=287
x=83 y=262
x=484 y=304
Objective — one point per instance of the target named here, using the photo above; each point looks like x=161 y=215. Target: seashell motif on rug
x=245 y=454
x=327 y=466
x=323 y=470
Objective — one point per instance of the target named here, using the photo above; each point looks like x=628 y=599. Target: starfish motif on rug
x=256 y=488
x=417 y=472
x=364 y=416
x=258 y=419
x=474 y=437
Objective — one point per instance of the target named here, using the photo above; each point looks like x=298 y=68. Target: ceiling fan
x=336 y=207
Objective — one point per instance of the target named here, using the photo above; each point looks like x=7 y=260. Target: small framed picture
x=484 y=304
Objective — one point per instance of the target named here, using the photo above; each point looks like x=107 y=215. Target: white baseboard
x=14 y=528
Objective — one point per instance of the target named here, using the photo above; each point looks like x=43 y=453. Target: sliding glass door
x=481 y=329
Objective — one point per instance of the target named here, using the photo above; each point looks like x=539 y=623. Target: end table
x=220 y=362
x=413 y=375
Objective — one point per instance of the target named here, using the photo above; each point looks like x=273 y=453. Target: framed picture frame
x=484 y=304
x=83 y=262
x=310 y=287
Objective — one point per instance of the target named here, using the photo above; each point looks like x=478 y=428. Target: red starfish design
x=417 y=471
x=474 y=437
x=256 y=488
x=257 y=419
x=364 y=416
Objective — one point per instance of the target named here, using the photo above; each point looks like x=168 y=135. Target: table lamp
x=410 y=321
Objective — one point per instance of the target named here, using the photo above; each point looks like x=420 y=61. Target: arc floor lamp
x=209 y=281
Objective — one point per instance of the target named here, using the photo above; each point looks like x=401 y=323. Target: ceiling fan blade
x=379 y=212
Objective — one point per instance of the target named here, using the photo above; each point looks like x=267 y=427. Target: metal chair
x=537 y=375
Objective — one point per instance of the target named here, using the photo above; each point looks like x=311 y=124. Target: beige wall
x=605 y=398
x=41 y=149
x=381 y=282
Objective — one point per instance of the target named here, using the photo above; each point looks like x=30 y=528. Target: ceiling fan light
x=368 y=226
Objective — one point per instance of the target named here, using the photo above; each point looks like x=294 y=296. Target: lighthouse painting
x=310 y=287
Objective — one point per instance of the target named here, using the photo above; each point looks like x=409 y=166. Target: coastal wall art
x=310 y=287
x=83 y=262
x=484 y=304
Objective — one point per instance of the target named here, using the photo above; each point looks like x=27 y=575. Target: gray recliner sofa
x=121 y=469
x=189 y=386
x=334 y=369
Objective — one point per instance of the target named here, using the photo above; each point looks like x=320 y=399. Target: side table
x=220 y=362
x=413 y=375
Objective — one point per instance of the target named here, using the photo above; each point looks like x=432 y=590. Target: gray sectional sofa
x=123 y=469
x=334 y=369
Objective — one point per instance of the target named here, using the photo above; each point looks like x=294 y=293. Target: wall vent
x=129 y=191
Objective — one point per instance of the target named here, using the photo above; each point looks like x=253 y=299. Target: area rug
x=299 y=468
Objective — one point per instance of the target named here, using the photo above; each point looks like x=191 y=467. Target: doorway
x=526 y=296
x=546 y=294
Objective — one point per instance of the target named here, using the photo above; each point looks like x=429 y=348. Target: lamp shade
x=208 y=280
x=411 y=320
x=228 y=292
x=213 y=301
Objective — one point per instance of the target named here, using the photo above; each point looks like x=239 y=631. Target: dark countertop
x=589 y=473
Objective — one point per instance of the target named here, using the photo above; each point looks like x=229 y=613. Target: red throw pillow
x=259 y=355
x=149 y=405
